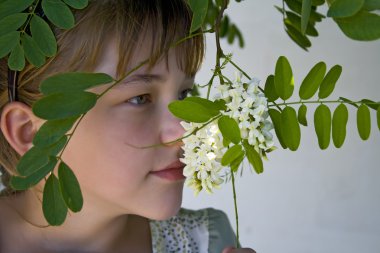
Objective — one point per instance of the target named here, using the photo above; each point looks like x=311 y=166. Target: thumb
x=228 y=249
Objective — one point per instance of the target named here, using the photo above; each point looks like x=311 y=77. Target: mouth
x=172 y=172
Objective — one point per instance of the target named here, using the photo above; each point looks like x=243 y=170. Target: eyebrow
x=146 y=79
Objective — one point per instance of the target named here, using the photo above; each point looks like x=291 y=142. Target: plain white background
x=310 y=200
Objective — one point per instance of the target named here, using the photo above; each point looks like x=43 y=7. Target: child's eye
x=139 y=100
x=184 y=94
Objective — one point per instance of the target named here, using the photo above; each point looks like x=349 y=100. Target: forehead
x=138 y=62
x=154 y=43
x=165 y=68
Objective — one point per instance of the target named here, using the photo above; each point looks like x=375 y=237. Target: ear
x=19 y=125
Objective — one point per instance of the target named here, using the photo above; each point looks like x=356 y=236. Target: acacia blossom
x=204 y=149
x=248 y=106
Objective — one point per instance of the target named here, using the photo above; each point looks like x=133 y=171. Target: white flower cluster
x=203 y=151
x=248 y=106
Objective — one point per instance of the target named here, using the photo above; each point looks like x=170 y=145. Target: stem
x=30 y=17
x=123 y=77
x=226 y=78
x=219 y=51
x=283 y=10
x=209 y=84
x=191 y=36
x=236 y=209
x=179 y=139
x=220 y=54
x=238 y=68
x=70 y=136
x=319 y=102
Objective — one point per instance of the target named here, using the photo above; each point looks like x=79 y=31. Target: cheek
x=102 y=151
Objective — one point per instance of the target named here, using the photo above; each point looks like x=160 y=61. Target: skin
x=120 y=194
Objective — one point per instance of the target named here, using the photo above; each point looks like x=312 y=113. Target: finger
x=228 y=249
x=248 y=250
x=241 y=250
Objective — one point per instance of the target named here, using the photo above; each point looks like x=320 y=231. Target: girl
x=132 y=196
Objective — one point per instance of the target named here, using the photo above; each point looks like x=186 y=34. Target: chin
x=166 y=209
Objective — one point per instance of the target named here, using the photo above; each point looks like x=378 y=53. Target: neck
x=93 y=229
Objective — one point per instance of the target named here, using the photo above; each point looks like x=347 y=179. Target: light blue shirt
x=200 y=231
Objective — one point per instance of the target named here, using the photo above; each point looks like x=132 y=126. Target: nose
x=170 y=129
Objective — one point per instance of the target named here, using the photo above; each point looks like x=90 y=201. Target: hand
x=235 y=250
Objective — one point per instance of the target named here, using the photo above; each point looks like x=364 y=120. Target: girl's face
x=113 y=173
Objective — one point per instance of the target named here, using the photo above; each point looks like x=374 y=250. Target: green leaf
x=363 y=26
x=339 y=123
x=295 y=21
x=231 y=34
x=224 y=26
x=291 y=131
x=73 y=81
x=283 y=78
x=191 y=111
x=322 y=125
x=32 y=52
x=371 y=5
x=31 y=161
x=302 y=115
x=53 y=204
x=276 y=120
x=297 y=7
x=270 y=90
x=312 y=81
x=328 y=84
x=314 y=2
x=219 y=3
x=77 y=4
x=378 y=117
x=240 y=38
x=229 y=129
x=363 y=120
x=24 y=183
x=58 y=13
x=348 y=101
x=16 y=60
x=64 y=105
x=70 y=188
x=226 y=142
x=199 y=8
x=43 y=36
x=300 y=39
x=52 y=130
x=344 y=8
x=12 y=23
x=236 y=163
x=212 y=14
x=10 y=7
x=371 y=104
x=216 y=105
x=253 y=157
x=8 y=42
x=55 y=148
x=232 y=154
x=220 y=104
x=317 y=2
x=305 y=14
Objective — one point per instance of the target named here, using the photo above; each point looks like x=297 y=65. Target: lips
x=172 y=172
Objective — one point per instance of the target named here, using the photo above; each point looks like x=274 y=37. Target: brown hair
x=79 y=49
